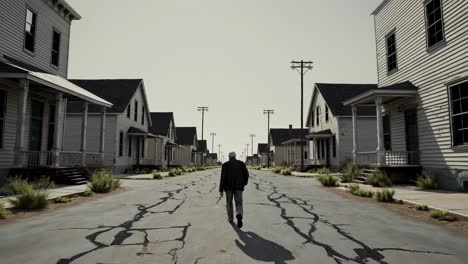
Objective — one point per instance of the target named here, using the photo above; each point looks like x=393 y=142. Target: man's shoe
x=239 y=221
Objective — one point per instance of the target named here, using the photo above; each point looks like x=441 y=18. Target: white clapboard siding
x=12 y=26
x=429 y=70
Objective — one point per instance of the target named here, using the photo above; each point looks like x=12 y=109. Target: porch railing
x=70 y=158
x=391 y=158
x=93 y=159
x=399 y=158
x=36 y=158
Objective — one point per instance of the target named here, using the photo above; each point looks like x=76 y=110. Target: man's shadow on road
x=261 y=249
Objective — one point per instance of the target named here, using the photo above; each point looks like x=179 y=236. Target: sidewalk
x=454 y=202
x=140 y=176
x=53 y=193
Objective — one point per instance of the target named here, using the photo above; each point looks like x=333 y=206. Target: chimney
x=290 y=130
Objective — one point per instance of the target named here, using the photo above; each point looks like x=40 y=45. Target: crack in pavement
x=128 y=229
x=364 y=254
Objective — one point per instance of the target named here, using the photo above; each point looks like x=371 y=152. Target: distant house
x=187 y=140
x=262 y=152
x=202 y=151
x=163 y=149
x=126 y=124
x=211 y=159
x=330 y=124
x=34 y=91
x=284 y=146
x=422 y=99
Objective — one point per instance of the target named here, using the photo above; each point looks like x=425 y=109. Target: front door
x=327 y=150
x=412 y=141
x=138 y=150
x=35 y=135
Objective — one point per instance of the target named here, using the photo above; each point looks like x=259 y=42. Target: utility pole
x=251 y=146
x=219 y=149
x=247 y=149
x=296 y=65
x=268 y=112
x=202 y=109
x=212 y=141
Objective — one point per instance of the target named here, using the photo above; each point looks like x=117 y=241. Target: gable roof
x=280 y=135
x=262 y=148
x=186 y=135
x=335 y=94
x=161 y=122
x=117 y=91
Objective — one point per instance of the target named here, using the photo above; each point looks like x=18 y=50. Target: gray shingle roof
x=201 y=145
x=280 y=135
x=161 y=122
x=186 y=135
x=401 y=86
x=262 y=148
x=117 y=91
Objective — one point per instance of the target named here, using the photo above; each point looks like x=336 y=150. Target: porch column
x=103 y=133
x=355 y=135
x=380 y=136
x=21 y=122
x=58 y=134
x=84 y=124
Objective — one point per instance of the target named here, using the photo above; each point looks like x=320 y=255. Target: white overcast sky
x=232 y=56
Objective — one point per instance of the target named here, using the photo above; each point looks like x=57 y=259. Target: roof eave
x=382 y=5
x=379 y=92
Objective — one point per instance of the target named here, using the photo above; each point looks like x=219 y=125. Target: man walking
x=234 y=176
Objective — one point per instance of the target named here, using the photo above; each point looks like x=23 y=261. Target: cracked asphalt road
x=182 y=220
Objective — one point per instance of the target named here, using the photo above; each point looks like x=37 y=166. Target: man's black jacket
x=234 y=176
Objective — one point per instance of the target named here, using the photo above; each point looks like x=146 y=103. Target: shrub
x=355 y=189
x=350 y=172
x=287 y=171
x=380 y=179
x=157 y=176
x=323 y=170
x=62 y=199
x=427 y=181
x=88 y=193
x=18 y=185
x=384 y=195
x=443 y=216
x=3 y=211
x=102 y=181
x=327 y=180
x=31 y=200
x=43 y=183
x=421 y=207
x=277 y=170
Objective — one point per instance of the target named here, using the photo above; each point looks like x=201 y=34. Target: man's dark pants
x=237 y=195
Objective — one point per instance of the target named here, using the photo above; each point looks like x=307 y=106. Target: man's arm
x=221 y=180
x=246 y=174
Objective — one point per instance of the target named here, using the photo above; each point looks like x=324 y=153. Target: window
x=312 y=118
x=326 y=113
x=322 y=142
x=434 y=23
x=459 y=113
x=30 y=30
x=142 y=148
x=317 y=115
x=121 y=135
x=129 y=146
x=50 y=136
x=391 y=52
x=2 y=114
x=387 y=132
x=143 y=115
x=55 y=48
x=318 y=149
x=334 y=146
x=136 y=111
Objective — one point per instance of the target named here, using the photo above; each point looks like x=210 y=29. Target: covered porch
x=391 y=111
x=292 y=153
x=40 y=101
x=318 y=144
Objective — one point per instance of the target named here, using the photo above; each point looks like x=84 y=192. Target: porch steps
x=366 y=173
x=72 y=176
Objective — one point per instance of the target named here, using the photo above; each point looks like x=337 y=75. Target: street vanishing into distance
x=183 y=220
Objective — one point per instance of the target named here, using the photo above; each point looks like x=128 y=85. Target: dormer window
x=30 y=31
x=317 y=115
x=312 y=118
x=129 y=109
x=55 y=57
x=143 y=115
x=326 y=113
x=434 y=23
